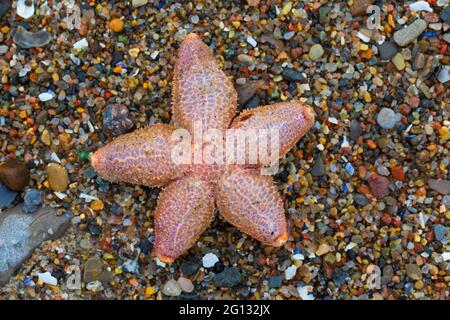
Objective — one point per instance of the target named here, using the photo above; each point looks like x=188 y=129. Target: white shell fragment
x=25 y=11
x=420 y=6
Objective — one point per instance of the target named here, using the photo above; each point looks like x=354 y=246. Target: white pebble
x=46 y=96
x=363 y=37
x=345 y=143
x=252 y=41
x=60 y=195
x=23 y=10
x=159 y=263
x=154 y=54
x=305 y=292
x=387 y=118
x=94 y=286
x=298 y=257
x=47 y=278
x=209 y=260
x=82 y=44
x=446 y=256
x=420 y=6
x=350 y=246
x=172 y=288
x=444 y=75
x=290 y=272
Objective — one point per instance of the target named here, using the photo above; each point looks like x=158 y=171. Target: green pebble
x=84 y=155
x=330 y=258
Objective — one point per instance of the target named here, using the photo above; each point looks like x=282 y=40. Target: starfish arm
x=251 y=202
x=185 y=209
x=141 y=157
x=202 y=92
x=290 y=119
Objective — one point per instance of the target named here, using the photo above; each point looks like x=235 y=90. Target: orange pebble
x=367 y=54
x=371 y=144
x=117 y=69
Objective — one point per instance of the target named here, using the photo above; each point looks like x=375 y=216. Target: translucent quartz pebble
x=26 y=39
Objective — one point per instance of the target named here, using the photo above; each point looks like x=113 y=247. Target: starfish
x=203 y=94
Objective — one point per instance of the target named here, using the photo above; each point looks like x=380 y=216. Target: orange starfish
x=203 y=94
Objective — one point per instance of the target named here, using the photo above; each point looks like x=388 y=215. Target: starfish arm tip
x=281 y=240
x=192 y=36
x=165 y=259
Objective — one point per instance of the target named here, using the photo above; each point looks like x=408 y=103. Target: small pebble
x=441 y=186
x=228 y=278
x=379 y=186
x=408 y=34
x=315 y=52
x=172 y=288
x=290 y=272
x=387 y=118
x=209 y=260
x=57 y=176
x=185 y=284
x=47 y=278
x=32 y=201
x=117 y=119
x=14 y=174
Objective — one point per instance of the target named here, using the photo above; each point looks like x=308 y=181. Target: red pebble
x=379 y=185
x=386 y=219
x=414 y=101
x=397 y=173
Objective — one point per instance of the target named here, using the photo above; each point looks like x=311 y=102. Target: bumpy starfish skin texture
x=250 y=201
x=202 y=92
x=292 y=120
x=141 y=157
x=245 y=198
x=185 y=209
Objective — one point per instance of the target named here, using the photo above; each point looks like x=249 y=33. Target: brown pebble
x=359 y=7
x=14 y=174
x=57 y=177
x=42 y=117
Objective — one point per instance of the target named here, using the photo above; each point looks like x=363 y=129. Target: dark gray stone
x=5 y=5
x=21 y=233
x=360 y=200
x=275 y=282
x=32 y=201
x=248 y=90
x=230 y=277
x=387 y=50
x=445 y=14
x=190 y=267
x=318 y=169
x=355 y=129
x=292 y=75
